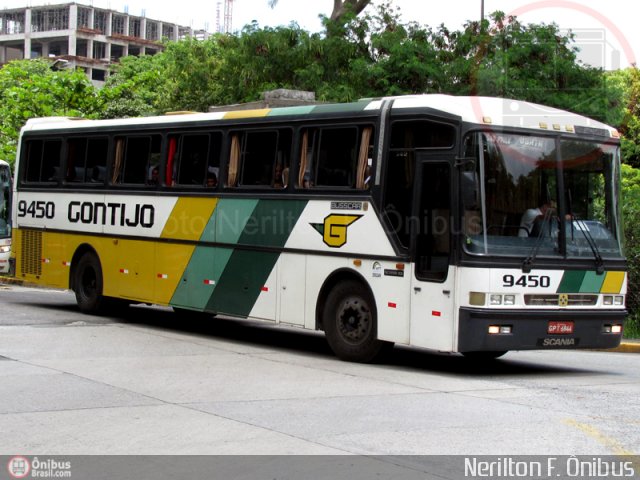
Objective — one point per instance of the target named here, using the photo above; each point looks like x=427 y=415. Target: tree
x=29 y=88
x=341 y=8
x=627 y=85
x=134 y=88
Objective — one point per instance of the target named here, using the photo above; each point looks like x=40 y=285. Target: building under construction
x=82 y=36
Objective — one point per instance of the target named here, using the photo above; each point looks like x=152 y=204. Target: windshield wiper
x=527 y=264
x=584 y=228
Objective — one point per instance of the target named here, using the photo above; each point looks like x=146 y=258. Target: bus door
x=432 y=294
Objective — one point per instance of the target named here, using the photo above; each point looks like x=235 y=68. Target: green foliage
x=631 y=216
x=627 y=84
x=134 y=88
x=29 y=88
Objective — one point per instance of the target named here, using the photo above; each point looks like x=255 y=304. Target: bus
x=379 y=222
x=5 y=216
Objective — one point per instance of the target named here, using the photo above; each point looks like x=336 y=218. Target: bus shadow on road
x=309 y=343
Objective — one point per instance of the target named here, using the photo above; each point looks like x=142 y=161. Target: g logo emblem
x=334 y=229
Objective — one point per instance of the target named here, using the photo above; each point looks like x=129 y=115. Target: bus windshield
x=531 y=189
x=5 y=196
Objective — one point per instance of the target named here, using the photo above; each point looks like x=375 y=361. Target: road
x=151 y=382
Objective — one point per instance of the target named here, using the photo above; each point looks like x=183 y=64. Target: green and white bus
x=5 y=216
x=394 y=220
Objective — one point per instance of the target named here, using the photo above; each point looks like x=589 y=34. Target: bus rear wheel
x=349 y=321
x=87 y=284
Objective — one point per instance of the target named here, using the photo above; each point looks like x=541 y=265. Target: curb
x=626 y=346
x=629 y=346
x=11 y=281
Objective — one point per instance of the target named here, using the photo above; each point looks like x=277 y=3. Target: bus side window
x=86 y=160
x=261 y=158
x=257 y=158
x=76 y=152
x=96 y=160
x=136 y=159
x=43 y=161
x=283 y=153
x=190 y=163
x=336 y=157
x=213 y=161
x=138 y=163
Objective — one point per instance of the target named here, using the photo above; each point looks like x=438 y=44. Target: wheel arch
x=330 y=282
x=79 y=253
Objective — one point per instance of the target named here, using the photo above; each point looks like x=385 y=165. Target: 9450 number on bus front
x=527 y=281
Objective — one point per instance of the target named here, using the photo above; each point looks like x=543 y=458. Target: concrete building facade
x=83 y=36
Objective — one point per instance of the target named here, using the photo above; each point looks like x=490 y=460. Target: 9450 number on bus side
x=527 y=281
x=36 y=209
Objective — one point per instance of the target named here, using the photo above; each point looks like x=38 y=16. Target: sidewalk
x=626 y=346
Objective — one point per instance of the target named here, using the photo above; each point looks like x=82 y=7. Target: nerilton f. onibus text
x=508 y=467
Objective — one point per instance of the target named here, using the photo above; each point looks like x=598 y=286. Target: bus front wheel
x=349 y=321
x=88 y=284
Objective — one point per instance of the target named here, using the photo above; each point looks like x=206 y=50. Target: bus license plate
x=560 y=328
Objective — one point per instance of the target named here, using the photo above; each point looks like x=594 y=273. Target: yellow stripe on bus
x=247 y=114
x=613 y=282
x=189 y=218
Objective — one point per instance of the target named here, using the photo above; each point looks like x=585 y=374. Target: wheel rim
x=354 y=320
x=89 y=282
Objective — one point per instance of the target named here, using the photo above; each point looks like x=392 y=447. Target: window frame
x=307 y=141
x=25 y=163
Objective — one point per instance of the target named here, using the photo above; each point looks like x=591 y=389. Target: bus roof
x=499 y=112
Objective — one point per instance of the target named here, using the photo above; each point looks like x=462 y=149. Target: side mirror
x=469 y=189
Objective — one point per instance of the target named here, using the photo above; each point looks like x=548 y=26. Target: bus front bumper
x=530 y=330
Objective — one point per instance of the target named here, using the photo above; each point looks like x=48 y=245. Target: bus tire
x=88 y=284
x=349 y=321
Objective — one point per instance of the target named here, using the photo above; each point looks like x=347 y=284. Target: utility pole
x=481 y=10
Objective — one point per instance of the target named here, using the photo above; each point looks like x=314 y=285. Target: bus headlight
x=618 y=300
x=509 y=299
x=495 y=300
x=5 y=249
x=607 y=300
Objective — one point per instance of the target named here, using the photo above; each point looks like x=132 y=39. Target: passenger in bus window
x=155 y=172
x=530 y=216
x=212 y=180
x=306 y=181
